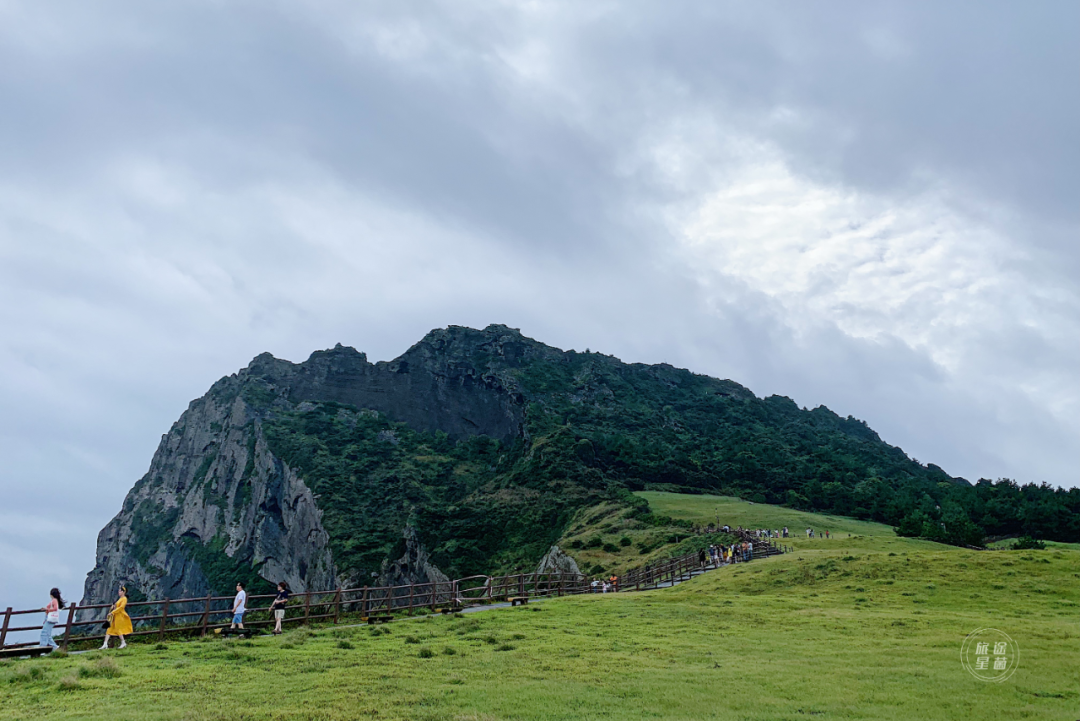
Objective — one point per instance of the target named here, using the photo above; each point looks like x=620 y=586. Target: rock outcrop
x=414 y=566
x=557 y=560
x=217 y=506
x=215 y=502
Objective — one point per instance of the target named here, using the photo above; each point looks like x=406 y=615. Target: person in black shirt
x=278 y=606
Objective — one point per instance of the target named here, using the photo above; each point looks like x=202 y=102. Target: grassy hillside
x=614 y=537
x=866 y=627
x=703 y=510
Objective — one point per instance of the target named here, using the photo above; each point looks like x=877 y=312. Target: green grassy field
x=734 y=512
x=867 y=627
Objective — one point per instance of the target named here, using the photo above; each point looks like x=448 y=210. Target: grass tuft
x=102 y=668
x=69 y=683
x=28 y=674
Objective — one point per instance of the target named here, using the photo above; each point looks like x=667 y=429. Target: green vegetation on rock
x=477 y=504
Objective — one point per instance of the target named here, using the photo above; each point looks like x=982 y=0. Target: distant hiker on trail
x=594 y=585
x=701 y=558
x=239 y=607
x=119 y=620
x=52 y=617
x=278 y=605
x=826 y=535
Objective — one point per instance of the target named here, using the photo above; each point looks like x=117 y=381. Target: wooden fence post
x=412 y=595
x=67 y=628
x=363 y=604
x=206 y=614
x=337 y=605
x=307 y=607
x=4 y=628
x=164 y=619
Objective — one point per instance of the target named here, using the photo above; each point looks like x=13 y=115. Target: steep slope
x=472 y=451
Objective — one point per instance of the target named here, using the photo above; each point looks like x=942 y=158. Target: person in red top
x=52 y=617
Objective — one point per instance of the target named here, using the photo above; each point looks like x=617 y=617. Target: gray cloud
x=870 y=207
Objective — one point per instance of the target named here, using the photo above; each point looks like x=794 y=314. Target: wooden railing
x=204 y=614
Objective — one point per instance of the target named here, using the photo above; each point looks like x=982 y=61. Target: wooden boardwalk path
x=199 y=616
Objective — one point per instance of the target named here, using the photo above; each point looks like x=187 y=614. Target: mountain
x=470 y=453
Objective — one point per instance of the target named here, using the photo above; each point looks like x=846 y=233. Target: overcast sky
x=871 y=206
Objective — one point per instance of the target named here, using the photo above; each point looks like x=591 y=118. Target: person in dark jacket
x=278 y=606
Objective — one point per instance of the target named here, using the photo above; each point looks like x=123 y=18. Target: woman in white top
x=52 y=617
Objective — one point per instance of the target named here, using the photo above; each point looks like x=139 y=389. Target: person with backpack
x=52 y=617
x=278 y=606
x=119 y=621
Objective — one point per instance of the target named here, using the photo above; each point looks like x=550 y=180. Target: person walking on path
x=278 y=605
x=52 y=617
x=238 y=608
x=119 y=620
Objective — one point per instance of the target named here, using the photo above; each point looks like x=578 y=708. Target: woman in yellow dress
x=119 y=620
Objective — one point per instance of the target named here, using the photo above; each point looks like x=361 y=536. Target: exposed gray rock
x=214 y=484
x=557 y=561
x=414 y=566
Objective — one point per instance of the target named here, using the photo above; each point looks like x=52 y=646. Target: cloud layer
x=871 y=208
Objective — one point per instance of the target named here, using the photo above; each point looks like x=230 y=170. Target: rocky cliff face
x=218 y=506
x=557 y=560
x=414 y=566
x=214 y=505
